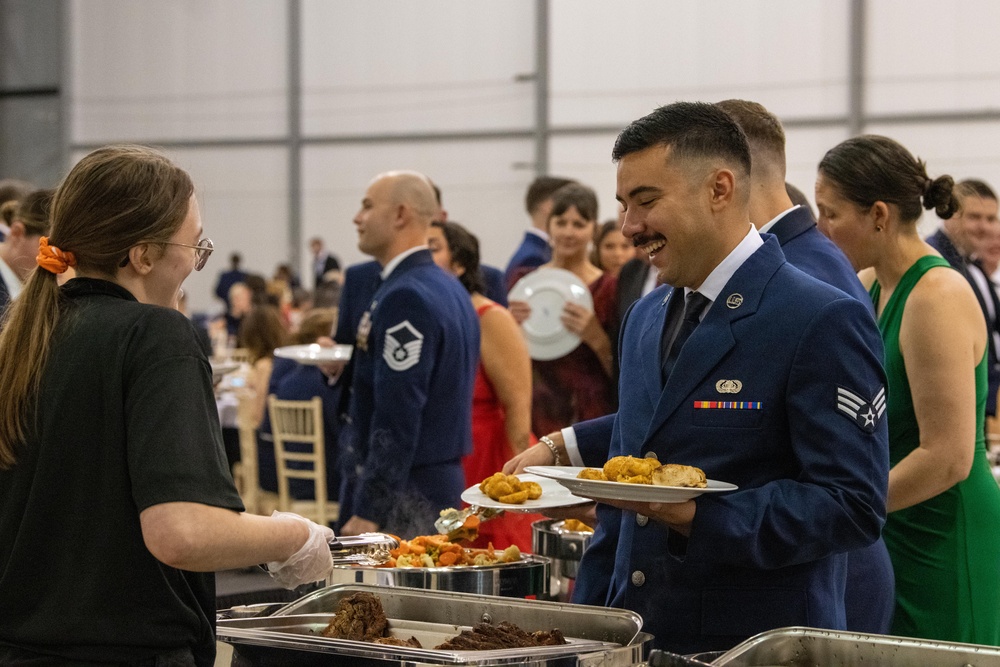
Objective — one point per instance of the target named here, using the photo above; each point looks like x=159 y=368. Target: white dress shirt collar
x=766 y=228
x=10 y=279
x=394 y=262
x=539 y=233
x=721 y=274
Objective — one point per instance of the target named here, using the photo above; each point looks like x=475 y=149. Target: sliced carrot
x=448 y=558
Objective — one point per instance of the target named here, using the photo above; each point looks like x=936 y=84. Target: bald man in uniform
x=416 y=353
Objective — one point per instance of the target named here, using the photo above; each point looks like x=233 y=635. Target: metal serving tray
x=527 y=578
x=799 y=647
x=597 y=636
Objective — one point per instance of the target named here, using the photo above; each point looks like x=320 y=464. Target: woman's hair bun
x=939 y=196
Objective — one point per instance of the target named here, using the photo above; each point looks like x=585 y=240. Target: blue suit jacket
x=533 y=252
x=411 y=408
x=870 y=592
x=292 y=381
x=360 y=283
x=495 y=284
x=4 y=294
x=805 y=248
x=813 y=481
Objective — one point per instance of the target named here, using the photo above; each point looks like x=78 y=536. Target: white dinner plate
x=315 y=354
x=554 y=494
x=547 y=291
x=643 y=493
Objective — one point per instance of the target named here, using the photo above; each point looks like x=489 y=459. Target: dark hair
x=12 y=190
x=258 y=289
x=580 y=196
x=261 y=330
x=112 y=199
x=600 y=232
x=543 y=188
x=235 y=259
x=35 y=212
x=464 y=248
x=32 y=211
x=872 y=168
x=764 y=133
x=692 y=130
x=973 y=187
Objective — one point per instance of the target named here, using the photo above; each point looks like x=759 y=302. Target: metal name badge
x=728 y=386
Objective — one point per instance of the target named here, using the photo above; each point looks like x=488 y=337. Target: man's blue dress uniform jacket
x=415 y=360
x=813 y=479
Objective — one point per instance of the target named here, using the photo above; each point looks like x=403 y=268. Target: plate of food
x=315 y=354
x=633 y=479
x=520 y=493
x=547 y=291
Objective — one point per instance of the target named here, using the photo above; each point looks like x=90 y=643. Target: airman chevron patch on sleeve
x=860 y=410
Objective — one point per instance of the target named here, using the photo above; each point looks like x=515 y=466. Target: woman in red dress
x=501 y=398
x=579 y=385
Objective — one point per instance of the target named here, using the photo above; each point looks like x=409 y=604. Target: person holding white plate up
x=755 y=372
x=566 y=317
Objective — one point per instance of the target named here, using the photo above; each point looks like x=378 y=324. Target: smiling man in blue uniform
x=416 y=353
x=753 y=359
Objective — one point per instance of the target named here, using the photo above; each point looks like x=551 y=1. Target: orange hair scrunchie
x=52 y=259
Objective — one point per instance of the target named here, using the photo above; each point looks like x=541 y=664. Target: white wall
x=194 y=70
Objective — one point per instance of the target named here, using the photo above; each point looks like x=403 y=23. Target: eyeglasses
x=204 y=248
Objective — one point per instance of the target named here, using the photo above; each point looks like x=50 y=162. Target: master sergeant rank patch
x=402 y=346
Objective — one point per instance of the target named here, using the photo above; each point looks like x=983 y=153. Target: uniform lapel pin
x=728 y=386
x=735 y=300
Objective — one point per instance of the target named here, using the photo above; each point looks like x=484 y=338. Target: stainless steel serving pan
x=527 y=578
x=808 y=646
x=598 y=636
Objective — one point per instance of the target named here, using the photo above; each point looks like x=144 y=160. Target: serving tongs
x=463 y=524
x=363 y=549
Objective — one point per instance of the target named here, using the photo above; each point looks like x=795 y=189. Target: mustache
x=642 y=239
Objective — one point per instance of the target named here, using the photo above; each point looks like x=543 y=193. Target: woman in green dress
x=944 y=505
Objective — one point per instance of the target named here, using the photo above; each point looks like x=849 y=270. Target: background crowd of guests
x=872 y=357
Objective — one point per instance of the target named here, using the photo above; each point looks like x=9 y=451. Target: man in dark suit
x=959 y=241
x=326 y=267
x=230 y=277
x=745 y=396
x=415 y=357
x=870 y=582
x=534 y=249
x=493 y=278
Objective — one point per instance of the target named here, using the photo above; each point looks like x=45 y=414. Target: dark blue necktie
x=694 y=305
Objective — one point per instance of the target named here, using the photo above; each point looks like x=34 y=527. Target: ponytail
x=25 y=339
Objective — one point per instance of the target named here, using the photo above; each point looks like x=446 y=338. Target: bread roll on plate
x=675 y=474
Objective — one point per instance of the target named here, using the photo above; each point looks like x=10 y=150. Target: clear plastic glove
x=311 y=562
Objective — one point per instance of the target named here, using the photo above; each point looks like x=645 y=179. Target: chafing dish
x=526 y=578
x=597 y=636
x=565 y=548
x=808 y=646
